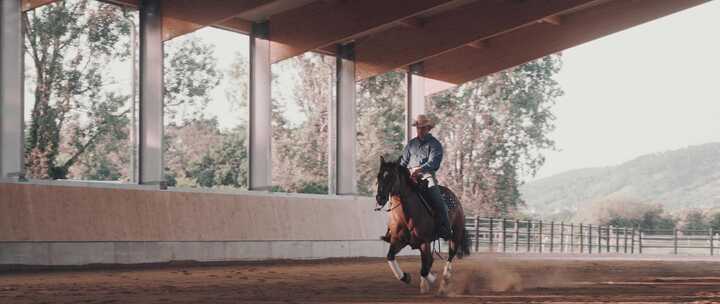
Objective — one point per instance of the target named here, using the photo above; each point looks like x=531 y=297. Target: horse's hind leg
x=394 y=266
x=453 y=246
x=427 y=278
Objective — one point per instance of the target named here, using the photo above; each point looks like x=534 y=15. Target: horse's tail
x=464 y=244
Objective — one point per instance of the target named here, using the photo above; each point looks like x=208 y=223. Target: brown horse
x=412 y=223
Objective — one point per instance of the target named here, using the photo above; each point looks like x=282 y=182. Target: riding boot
x=440 y=207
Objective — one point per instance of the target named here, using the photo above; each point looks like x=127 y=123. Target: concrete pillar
x=11 y=90
x=343 y=135
x=415 y=101
x=260 y=109
x=150 y=148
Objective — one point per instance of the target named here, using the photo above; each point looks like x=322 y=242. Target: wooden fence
x=512 y=235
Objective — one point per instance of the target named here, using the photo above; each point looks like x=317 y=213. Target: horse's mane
x=404 y=174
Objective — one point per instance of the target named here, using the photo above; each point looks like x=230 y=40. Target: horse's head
x=389 y=180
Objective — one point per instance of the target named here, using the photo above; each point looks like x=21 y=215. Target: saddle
x=422 y=188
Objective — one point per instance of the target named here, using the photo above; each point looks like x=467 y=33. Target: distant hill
x=685 y=178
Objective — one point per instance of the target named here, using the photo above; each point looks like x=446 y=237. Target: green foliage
x=224 y=164
x=380 y=125
x=494 y=131
x=67 y=44
x=300 y=140
x=625 y=212
x=714 y=221
x=191 y=72
x=80 y=123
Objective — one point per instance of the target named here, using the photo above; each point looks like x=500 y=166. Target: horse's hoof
x=442 y=290
x=406 y=278
x=426 y=283
x=424 y=287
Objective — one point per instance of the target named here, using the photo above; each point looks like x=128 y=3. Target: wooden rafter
x=322 y=23
x=470 y=24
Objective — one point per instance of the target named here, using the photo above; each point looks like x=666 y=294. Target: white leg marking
x=446 y=279
x=396 y=269
x=448 y=270
x=431 y=278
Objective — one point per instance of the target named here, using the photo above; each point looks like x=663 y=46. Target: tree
x=380 y=125
x=494 y=130
x=300 y=145
x=627 y=212
x=79 y=119
x=67 y=44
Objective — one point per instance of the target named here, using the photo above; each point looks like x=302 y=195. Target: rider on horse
x=422 y=156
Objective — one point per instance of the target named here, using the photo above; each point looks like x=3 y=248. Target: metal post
x=675 y=241
x=582 y=245
x=640 y=244
x=712 y=237
x=572 y=237
x=504 y=235
x=11 y=90
x=492 y=235
x=477 y=233
x=415 y=101
x=552 y=236
x=517 y=235
x=625 y=237
x=562 y=237
x=599 y=239
x=529 y=233
x=540 y=237
x=632 y=241
x=260 y=109
x=151 y=95
x=342 y=178
x=607 y=239
x=617 y=241
x=590 y=238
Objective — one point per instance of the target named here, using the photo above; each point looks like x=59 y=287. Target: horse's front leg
x=395 y=247
x=427 y=278
x=447 y=274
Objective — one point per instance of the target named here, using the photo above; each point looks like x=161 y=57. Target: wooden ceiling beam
x=554 y=20
x=185 y=16
x=324 y=23
x=541 y=39
x=27 y=5
x=412 y=22
x=401 y=46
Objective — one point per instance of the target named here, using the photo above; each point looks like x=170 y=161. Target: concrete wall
x=81 y=223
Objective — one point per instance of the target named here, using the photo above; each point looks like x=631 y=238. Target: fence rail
x=512 y=235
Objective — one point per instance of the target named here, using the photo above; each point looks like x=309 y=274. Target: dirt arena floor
x=478 y=279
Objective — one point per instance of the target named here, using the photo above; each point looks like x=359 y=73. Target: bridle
x=389 y=186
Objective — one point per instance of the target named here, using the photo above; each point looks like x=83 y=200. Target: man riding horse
x=412 y=218
x=422 y=156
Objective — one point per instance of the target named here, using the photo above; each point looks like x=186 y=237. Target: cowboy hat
x=423 y=120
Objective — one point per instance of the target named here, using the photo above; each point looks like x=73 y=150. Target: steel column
x=343 y=135
x=11 y=90
x=260 y=109
x=415 y=101
x=151 y=95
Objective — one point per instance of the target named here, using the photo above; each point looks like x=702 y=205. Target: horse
x=412 y=223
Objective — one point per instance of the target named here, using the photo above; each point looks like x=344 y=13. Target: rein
x=393 y=207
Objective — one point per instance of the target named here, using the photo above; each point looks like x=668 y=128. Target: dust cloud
x=491 y=275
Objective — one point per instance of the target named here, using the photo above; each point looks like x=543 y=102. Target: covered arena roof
x=456 y=40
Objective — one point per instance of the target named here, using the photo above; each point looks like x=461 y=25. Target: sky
x=648 y=89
